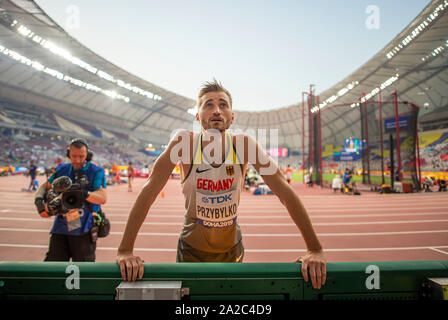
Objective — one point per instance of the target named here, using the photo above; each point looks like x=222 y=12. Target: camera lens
x=71 y=200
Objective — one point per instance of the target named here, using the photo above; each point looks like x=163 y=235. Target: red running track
x=370 y=227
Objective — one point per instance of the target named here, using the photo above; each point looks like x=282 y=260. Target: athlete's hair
x=213 y=86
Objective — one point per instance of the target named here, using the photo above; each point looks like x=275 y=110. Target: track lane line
x=260 y=224
x=176 y=234
x=438 y=250
x=246 y=250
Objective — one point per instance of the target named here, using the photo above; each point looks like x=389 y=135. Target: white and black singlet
x=212 y=197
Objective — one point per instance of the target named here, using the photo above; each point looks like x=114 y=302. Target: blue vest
x=60 y=222
x=345 y=178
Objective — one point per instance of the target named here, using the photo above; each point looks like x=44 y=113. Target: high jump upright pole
x=367 y=137
x=397 y=130
x=303 y=136
x=310 y=127
x=319 y=134
x=381 y=134
x=418 y=162
x=365 y=142
x=418 y=156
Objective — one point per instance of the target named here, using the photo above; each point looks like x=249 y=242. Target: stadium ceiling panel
x=38 y=68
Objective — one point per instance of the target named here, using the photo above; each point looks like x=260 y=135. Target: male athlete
x=213 y=165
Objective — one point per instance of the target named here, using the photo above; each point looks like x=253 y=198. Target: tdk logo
x=219 y=199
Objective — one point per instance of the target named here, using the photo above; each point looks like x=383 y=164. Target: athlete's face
x=78 y=156
x=215 y=111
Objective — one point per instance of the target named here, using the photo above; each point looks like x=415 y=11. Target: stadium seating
x=46 y=148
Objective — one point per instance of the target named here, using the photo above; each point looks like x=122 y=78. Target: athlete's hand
x=316 y=262
x=130 y=266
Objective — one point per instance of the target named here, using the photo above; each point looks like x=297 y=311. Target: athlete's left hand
x=316 y=262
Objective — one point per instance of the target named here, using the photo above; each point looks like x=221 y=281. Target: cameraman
x=71 y=235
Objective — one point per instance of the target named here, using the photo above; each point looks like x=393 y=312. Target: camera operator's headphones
x=84 y=142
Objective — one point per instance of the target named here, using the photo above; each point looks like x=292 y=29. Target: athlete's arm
x=132 y=266
x=314 y=259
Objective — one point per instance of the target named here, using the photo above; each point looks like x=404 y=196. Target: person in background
x=336 y=184
x=73 y=236
x=347 y=177
x=32 y=171
x=427 y=184
x=130 y=176
x=288 y=173
x=307 y=179
x=114 y=173
x=442 y=185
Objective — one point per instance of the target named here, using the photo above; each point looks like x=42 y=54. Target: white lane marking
x=286 y=216
x=281 y=208
x=247 y=208
x=246 y=250
x=255 y=224
x=347 y=249
x=279 y=216
x=438 y=250
x=337 y=234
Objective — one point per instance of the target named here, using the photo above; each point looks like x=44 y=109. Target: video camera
x=73 y=194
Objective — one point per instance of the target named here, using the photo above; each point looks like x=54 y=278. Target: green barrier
x=223 y=281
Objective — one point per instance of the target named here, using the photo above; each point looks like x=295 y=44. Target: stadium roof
x=415 y=63
x=61 y=75
x=42 y=65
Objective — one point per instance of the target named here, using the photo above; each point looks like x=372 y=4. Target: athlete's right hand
x=130 y=266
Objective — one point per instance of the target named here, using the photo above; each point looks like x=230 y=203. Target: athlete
x=213 y=165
